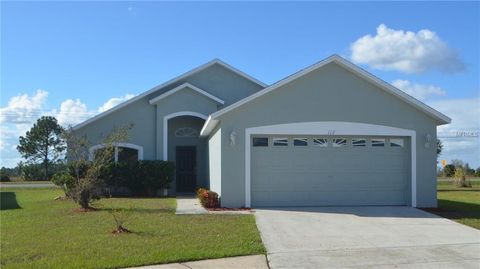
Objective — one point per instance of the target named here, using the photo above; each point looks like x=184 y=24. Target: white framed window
x=339 y=142
x=125 y=154
x=397 y=142
x=300 y=142
x=122 y=152
x=280 y=142
x=186 y=132
x=260 y=142
x=378 y=142
x=320 y=142
x=359 y=142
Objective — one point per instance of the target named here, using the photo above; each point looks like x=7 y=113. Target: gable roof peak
x=169 y=82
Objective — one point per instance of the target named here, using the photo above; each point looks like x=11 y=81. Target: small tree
x=43 y=143
x=460 y=178
x=120 y=217
x=88 y=173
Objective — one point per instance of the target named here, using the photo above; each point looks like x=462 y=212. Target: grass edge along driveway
x=38 y=232
x=458 y=204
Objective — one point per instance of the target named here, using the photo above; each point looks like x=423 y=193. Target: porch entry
x=186 y=168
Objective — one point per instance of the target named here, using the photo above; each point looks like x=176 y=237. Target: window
x=121 y=152
x=300 y=142
x=260 y=141
x=101 y=153
x=280 y=142
x=378 y=142
x=127 y=154
x=396 y=142
x=339 y=142
x=186 y=132
x=320 y=142
x=359 y=142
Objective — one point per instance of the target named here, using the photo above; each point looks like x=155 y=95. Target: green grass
x=38 y=232
x=459 y=204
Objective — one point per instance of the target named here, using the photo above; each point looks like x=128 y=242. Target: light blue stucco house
x=330 y=134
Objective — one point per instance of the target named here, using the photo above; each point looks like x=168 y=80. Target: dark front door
x=186 y=166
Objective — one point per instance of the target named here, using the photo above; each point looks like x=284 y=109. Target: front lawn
x=459 y=204
x=38 y=232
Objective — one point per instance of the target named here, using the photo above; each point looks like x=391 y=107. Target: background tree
x=449 y=170
x=43 y=143
x=439 y=146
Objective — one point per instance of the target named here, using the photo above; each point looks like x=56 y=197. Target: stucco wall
x=331 y=93
x=140 y=113
x=215 y=161
x=148 y=119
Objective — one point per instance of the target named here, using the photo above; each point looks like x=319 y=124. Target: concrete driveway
x=365 y=237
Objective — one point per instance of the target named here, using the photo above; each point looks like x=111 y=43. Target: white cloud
x=405 y=51
x=419 y=91
x=114 y=101
x=459 y=138
x=23 y=108
x=18 y=116
x=72 y=112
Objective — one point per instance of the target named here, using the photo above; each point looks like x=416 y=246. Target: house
x=330 y=134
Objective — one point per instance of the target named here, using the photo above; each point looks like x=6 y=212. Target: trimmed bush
x=208 y=199
x=139 y=177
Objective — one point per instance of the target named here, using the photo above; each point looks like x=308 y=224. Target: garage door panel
x=329 y=176
x=327 y=198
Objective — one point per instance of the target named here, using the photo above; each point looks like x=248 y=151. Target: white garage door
x=329 y=170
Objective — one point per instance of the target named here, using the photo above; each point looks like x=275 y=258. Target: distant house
x=330 y=134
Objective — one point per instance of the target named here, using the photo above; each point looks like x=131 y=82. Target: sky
x=73 y=60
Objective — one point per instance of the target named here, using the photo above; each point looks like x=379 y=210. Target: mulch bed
x=228 y=209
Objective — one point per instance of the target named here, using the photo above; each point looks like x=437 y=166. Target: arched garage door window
x=123 y=152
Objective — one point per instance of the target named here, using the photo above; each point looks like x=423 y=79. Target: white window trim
x=92 y=149
x=326 y=128
x=186 y=86
x=165 y=127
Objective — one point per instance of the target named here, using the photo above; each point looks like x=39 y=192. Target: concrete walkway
x=365 y=237
x=189 y=205
x=253 y=262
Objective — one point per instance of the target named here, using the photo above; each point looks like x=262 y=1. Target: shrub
x=200 y=191
x=157 y=175
x=65 y=181
x=208 y=199
x=460 y=178
x=140 y=177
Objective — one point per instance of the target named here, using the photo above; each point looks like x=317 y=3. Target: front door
x=186 y=166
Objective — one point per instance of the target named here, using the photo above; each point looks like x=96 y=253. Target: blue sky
x=91 y=52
